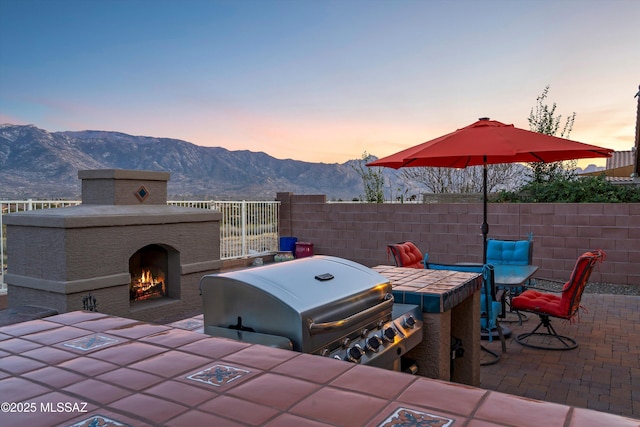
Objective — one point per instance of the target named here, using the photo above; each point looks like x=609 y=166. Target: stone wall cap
x=124 y=174
x=109 y=215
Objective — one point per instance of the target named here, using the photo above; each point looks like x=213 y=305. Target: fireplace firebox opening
x=151 y=274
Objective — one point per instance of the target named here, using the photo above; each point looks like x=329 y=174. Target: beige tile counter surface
x=91 y=369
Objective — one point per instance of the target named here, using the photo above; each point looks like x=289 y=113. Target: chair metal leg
x=495 y=356
x=501 y=335
x=551 y=335
x=507 y=309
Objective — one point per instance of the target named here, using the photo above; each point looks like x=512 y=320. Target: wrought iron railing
x=247 y=228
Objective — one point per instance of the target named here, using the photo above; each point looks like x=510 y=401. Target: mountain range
x=35 y=163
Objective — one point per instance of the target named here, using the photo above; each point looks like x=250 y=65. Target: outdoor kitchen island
x=450 y=303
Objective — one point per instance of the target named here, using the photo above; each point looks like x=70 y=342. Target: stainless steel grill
x=318 y=305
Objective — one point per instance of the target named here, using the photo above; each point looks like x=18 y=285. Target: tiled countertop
x=84 y=368
x=435 y=291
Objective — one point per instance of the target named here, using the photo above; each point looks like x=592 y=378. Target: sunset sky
x=318 y=80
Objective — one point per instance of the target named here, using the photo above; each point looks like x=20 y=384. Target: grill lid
x=306 y=283
x=311 y=301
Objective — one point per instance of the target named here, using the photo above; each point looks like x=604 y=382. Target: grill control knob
x=337 y=357
x=409 y=322
x=325 y=352
x=374 y=343
x=355 y=353
x=346 y=342
x=389 y=334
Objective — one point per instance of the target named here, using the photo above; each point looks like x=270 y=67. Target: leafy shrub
x=572 y=189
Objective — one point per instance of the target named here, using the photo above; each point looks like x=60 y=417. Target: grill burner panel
x=319 y=305
x=383 y=345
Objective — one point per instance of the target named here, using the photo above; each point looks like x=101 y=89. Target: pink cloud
x=10 y=119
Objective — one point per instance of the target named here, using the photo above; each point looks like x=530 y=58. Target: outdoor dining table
x=509 y=277
x=450 y=302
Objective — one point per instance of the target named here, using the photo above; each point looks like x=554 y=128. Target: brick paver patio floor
x=603 y=373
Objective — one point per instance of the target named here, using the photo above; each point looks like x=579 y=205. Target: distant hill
x=36 y=163
x=590 y=169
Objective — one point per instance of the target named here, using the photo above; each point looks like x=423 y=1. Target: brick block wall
x=450 y=232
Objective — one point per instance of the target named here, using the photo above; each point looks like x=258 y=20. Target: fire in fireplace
x=148 y=268
x=148 y=286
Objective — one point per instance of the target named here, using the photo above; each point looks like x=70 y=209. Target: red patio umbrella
x=490 y=142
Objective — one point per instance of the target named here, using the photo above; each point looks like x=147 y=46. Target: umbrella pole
x=485 y=225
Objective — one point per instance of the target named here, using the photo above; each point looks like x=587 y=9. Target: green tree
x=372 y=179
x=542 y=119
x=557 y=182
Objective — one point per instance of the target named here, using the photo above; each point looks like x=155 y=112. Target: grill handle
x=349 y=321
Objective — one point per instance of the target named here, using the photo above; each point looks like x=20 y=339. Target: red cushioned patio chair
x=563 y=306
x=406 y=254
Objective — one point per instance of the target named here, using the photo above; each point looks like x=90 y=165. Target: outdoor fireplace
x=123 y=246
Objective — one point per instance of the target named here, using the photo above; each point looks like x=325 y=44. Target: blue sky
x=319 y=81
